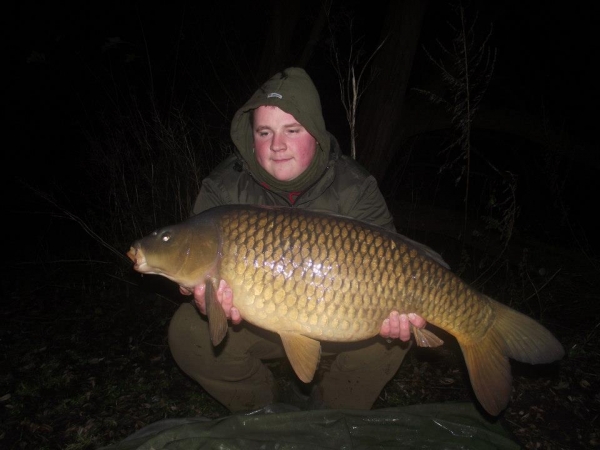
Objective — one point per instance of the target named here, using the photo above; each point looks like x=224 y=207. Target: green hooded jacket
x=333 y=182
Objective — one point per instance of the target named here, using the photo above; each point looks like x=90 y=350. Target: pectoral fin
x=303 y=352
x=217 y=320
x=425 y=338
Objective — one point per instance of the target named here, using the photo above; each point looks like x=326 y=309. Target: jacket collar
x=316 y=189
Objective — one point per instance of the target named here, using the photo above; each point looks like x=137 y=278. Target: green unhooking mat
x=433 y=426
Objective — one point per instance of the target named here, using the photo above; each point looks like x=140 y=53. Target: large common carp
x=313 y=277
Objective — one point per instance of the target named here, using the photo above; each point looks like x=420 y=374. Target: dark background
x=70 y=65
x=114 y=111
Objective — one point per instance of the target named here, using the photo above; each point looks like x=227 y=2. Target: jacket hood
x=292 y=91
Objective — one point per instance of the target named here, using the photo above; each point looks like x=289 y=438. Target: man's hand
x=224 y=297
x=397 y=326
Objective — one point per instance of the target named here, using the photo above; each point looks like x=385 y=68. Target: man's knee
x=194 y=353
x=357 y=377
x=189 y=340
x=233 y=376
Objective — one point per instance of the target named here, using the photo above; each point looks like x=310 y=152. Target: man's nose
x=278 y=142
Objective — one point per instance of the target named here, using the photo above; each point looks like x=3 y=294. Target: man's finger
x=235 y=315
x=394 y=325
x=199 y=297
x=199 y=290
x=404 y=326
x=226 y=299
x=385 y=329
x=416 y=320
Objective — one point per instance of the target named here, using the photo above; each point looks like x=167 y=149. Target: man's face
x=282 y=146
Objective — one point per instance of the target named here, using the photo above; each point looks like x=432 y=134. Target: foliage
x=149 y=171
x=466 y=69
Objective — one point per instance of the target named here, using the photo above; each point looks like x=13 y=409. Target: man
x=285 y=156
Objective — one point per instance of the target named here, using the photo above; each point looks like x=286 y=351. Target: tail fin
x=512 y=335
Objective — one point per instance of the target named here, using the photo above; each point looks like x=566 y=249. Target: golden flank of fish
x=313 y=277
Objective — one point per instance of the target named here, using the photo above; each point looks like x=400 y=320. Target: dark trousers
x=234 y=373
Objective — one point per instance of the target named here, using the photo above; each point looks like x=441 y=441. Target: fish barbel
x=311 y=276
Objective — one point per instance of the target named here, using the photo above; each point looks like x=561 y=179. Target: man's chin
x=284 y=175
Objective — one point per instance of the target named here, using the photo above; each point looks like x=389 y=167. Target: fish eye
x=165 y=237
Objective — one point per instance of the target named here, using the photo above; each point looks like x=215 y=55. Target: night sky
x=70 y=64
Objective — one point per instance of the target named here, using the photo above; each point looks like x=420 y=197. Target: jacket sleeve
x=210 y=196
x=213 y=191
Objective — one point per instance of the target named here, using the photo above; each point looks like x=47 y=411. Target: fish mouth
x=138 y=258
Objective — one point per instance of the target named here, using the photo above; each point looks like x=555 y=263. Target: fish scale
x=312 y=276
x=348 y=262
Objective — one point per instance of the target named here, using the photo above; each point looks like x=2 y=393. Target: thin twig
x=80 y=221
x=537 y=291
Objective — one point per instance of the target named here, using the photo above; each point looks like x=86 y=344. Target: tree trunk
x=284 y=28
x=379 y=114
